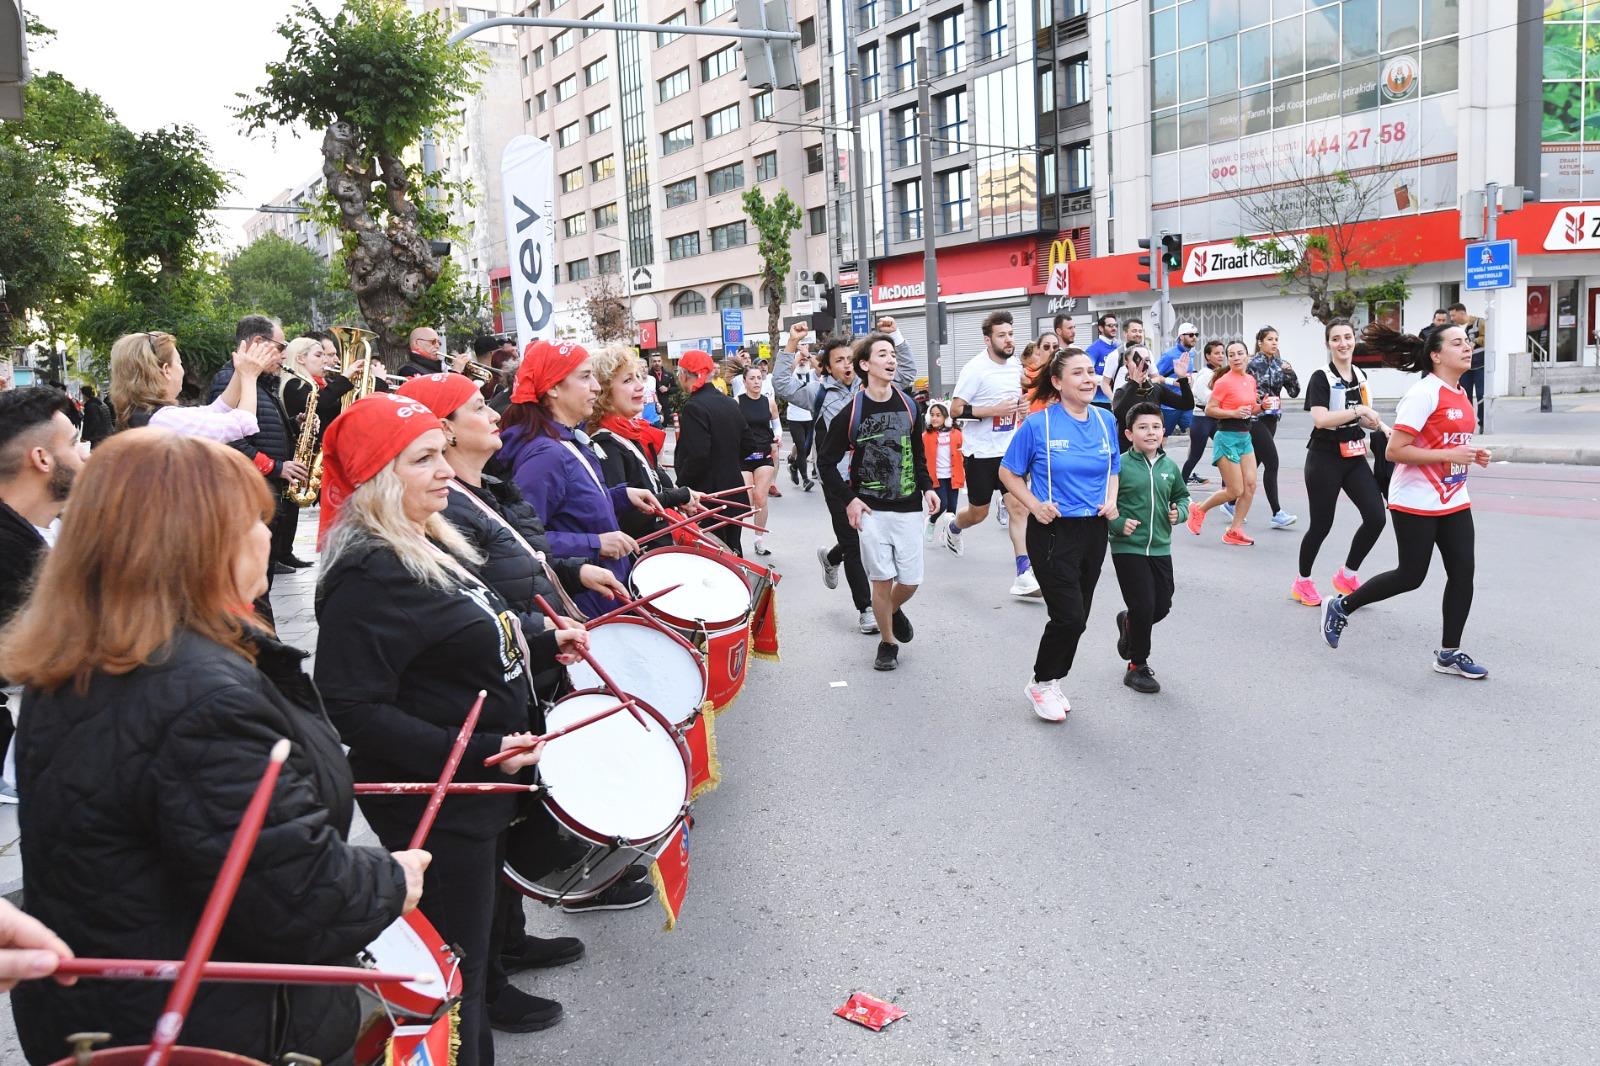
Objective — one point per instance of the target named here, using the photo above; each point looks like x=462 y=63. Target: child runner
x=1233 y=403
x=1061 y=464
x=1336 y=460
x=1432 y=450
x=1151 y=499
x=941 y=447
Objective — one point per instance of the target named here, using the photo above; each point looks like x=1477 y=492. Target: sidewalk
x=1569 y=434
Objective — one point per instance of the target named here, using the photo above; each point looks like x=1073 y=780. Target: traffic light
x=1148 y=276
x=767 y=64
x=1172 y=251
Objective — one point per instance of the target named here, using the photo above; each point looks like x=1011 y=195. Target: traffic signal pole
x=930 y=258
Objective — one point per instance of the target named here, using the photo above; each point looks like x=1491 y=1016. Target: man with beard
x=39 y=457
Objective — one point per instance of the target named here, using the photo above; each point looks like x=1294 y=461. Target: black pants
x=285 y=520
x=802 y=433
x=1327 y=475
x=1415 y=537
x=847 y=550
x=1146 y=582
x=1200 y=431
x=1066 y=555
x=1262 y=432
x=509 y=931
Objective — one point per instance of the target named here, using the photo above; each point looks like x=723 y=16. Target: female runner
x=758 y=446
x=1233 y=403
x=1273 y=376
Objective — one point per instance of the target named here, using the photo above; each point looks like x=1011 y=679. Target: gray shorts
x=891 y=546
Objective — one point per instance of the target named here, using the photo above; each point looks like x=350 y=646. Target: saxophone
x=306 y=452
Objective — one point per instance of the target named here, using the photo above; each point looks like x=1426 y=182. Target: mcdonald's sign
x=1063 y=250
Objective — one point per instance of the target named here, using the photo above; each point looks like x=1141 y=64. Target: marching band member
x=154 y=696
x=306 y=361
x=630 y=447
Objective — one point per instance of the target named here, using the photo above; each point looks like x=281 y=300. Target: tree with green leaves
x=288 y=281
x=775 y=221
x=373 y=78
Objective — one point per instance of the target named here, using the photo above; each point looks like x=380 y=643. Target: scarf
x=649 y=439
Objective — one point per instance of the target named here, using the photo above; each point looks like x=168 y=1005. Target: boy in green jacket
x=1151 y=499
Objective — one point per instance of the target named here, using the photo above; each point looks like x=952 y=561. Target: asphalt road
x=1291 y=855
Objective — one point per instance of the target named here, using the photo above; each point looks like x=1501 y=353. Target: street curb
x=1529 y=453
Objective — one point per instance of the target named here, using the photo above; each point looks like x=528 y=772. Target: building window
x=901 y=7
x=566 y=88
x=949 y=40
x=540 y=103
x=734 y=296
x=867 y=14
x=600 y=120
x=955 y=201
x=561 y=43
x=808 y=32
x=725 y=179
x=682 y=247
x=533 y=10
x=527 y=110
x=567 y=135
x=603 y=168
x=1045 y=86
x=761 y=106
x=908 y=205
x=574 y=226
x=813 y=159
x=903 y=128
x=605 y=216
x=819 y=221
x=722 y=121
x=677 y=139
x=538 y=57
x=590 y=31
x=682 y=192
x=903 y=50
x=608 y=263
x=722 y=61
x=1079 y=175
x=710 y=9
x=1075 y=77
x=664 y=39
x=991 y=29
x=950 y=123
x=673 y=85
x=731 y=235
x=871 y=84
x=766 y=166
x=572 y=180
x=597 y=72
x=811 y=95
x=524 y=66
x=578 y=270
x=688 y=302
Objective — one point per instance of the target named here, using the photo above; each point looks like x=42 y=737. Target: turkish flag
x=705 y=773
x=670 y=874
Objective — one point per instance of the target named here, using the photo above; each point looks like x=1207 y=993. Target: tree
x=606 y=306
x=288 y=281
x=373 y=78
x=774 y=220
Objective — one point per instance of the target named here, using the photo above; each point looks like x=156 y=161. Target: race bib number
x=1003 y=423
x=1352 y=449
x=1457 y=475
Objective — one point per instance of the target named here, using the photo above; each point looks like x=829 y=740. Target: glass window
x=1439 y=68
x=991 y=28
x=871 y=85
x=597 y=71
x=677 y=139
x=541 y=103
x=710 y=9
x=1164 y=81
x=673 y=85
x=1592 y=48
x=605 y=215
x=1401 y=23
x=1360 y=29
x=908 y=204
x=608 y=263
x=1288 y=48
x=1192 y=23
x=1442 y=18
x=1255 y=112
x=730 y=235
x=567 y=135
x=1223 y=118
x=1045 y=87
x=722 y=121
x=1223 y=22
x=811 y=95
x=1322 y=96
x=867 y=14
x=954 y=189
x=1192 y=74
x=1194 y=125
x=590 y=31
x=688 y=302
x=722 y=61
x=1223 y=58
x=818 y=221
x=808 y=32
x=950 y=123
x=538 y=57
x=682 y=247
x=1255 y=56
x=572 y=180
x=725 y=179
x=1281 y=8
x=600 y=120
x=903 y=130
x=734 y=296
x=1164 y=31
x=1078 y=172
x=683 y=191
x=949 y=38
x=1075 y=76
x=603 y=168
x=1322 y=37
x=766 y=166
x=664 y=39
x=761 y=105
x=566 y=88
x=578 y=270
x=1563 y=104
x=1360 y=89
x=561 y=43
x=903 y=48
x=1288 y=103
x=1047 y=174
x=1563 y=50
x=1164 y=132
x=813 y=159
x=574 y=225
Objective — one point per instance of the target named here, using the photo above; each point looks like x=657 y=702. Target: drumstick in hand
x=431 y=811
x=511 y=753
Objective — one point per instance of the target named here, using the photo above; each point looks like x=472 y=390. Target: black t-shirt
x=887 y=467
x=1319 y=390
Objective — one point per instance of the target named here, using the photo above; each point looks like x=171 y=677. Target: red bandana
x=545 y=365
x=369 y=436
x=442 y=393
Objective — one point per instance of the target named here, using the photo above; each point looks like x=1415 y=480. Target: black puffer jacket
x=134 y=790
x=273 y=439
x=623 y=463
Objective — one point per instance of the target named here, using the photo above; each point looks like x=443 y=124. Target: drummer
x=408 y=636
x=552 y=461
x=630 y=447
x=153 y=698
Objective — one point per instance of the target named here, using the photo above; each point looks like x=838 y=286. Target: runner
x=1065 y=330
x=1103 y=349
x=1204 y=425
x=1233 y=403
x=1178 y=418
x=1151 y=500
x=1273 y=376
x=988 y=396
x=1432 y=449
x=1336 y=460
x=941 y=449
x=758 y=448
x=1061 y=465
x=1035 y=357
x=1143 y=387
x=801 y=424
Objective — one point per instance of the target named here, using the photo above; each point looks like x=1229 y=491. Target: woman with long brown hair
x=153 y=697
x=147 y=376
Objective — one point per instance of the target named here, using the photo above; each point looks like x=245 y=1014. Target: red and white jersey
x=1438 y=416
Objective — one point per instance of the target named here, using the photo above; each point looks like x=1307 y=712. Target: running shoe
x=952 y=539
x=1197 y=518
x=1334 y=619
x=773 y=490
x=901 y=626
x=1196 y=479
x=1460 y=664
x=1305 y=590
x=1046 y=700
x=1236 y=536
x=761 y=547
x=621 y=896
x=1228 y=509
x=1122 y=635
x=888 y=656
x=808 y=485
x=1141 y=679
x=1345 y=582
x=830 y=571
x=1283 y=520
x=1026 y=585
x=869 y=624
x=794 y=473
x=1003 y=514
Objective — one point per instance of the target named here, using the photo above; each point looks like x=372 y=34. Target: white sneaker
x=869 y=623
x=830 y=571
x=952 y=539
x=927 y=532
x=1003 y=515
x=1026 y=584
x=1046 y=700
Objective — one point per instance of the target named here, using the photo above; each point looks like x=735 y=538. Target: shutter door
x=966 y=337
x=917 y=337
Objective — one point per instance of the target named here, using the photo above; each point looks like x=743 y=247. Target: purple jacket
x=562 y=491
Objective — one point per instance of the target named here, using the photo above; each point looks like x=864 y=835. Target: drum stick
x=454 y=788
x=630 y=605
x=724 y=521
x=451 y=762
x=594 y=664
x=510 y=753
x=673 y=527
x=725 y=494
x=234 y=972
x=181 y=997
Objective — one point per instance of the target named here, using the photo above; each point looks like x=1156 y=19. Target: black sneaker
x=622 y=896
x=1122 y=635
x=1141 y=679
x=634 y=874
x=295 y=561
x=514 y=1011
x=901 y=626
x=794 y=473
x=809 y=484
x=888 y=656
x=537 y=953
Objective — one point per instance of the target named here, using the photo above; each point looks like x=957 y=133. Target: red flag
x=670 y=874
x=764 y=627
x=705 y=770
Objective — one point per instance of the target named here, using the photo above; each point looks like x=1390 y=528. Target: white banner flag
x=528 y=176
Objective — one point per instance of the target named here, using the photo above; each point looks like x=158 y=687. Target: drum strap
x=587 y=469
x=649 y=471
x=537 y=555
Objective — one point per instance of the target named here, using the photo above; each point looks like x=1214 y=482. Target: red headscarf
x=544 y=365
x=369 y=436
x=442 y=393
x=698 y=365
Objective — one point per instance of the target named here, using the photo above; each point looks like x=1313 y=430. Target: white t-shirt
x=1439 y=417
x=797 y=412
x=941 y=456
x=986 y=383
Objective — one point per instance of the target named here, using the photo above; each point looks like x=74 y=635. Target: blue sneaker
x=1283 y=520
x=1334 y=619
x=1227 y=509
x=1460 y=663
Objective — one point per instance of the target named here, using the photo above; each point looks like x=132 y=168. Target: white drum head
x=710 y=590
x=615 y=777
x=647 y=663
x=401 y=948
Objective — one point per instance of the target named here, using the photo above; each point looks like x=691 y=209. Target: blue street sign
x=1491 y=265
x=860 y=313
x=732 y=327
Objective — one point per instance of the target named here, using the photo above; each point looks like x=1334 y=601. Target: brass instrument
x=306 y=452
x=355 y=346
x=482 y=372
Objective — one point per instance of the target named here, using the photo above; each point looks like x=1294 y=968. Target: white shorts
x=891 y=546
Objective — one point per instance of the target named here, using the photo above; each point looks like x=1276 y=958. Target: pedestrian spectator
x=1441 y=319
x=147 y=374
x=1065 y=331
x=629 y=446
x=153 y=701
x=74 y=413
x=1178 y=419
x=1103 y=351
x=801 y=423
x=710 y=438
x=941 y=450
x=96 y=416
x=668 y=395
x=1477 y=331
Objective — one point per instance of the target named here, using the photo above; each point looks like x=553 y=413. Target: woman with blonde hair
x=147 y=376
x=630 y=447
x=154 y=696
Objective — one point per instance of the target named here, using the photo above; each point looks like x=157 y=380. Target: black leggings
x=1262 y=432
x=1415 y=536
x=1146 y=583
x=1327 y=474
x=847 y=550
x=1200 y=431
x=801 y=432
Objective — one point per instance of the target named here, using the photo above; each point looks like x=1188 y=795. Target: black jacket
x=273 y=438
x=21 y=549
x=330 y=403
x=710 y=428
x=96 y=420
x=623 y=463
x=1147 y=391
x=134 y=791
x=416 y=363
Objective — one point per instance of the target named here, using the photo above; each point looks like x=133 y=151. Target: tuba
x=306 y=452
x=355 y=346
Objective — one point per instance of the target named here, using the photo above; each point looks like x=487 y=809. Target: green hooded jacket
x=1145 y=491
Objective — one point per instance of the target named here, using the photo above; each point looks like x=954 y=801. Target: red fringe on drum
x=670 y=874
x=705 y=770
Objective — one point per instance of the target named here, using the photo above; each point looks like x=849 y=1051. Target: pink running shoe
x=1345 y=583
x=1197 y=518
x=1305 y=590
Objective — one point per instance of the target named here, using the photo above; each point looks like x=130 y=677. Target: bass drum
x=648 y=661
